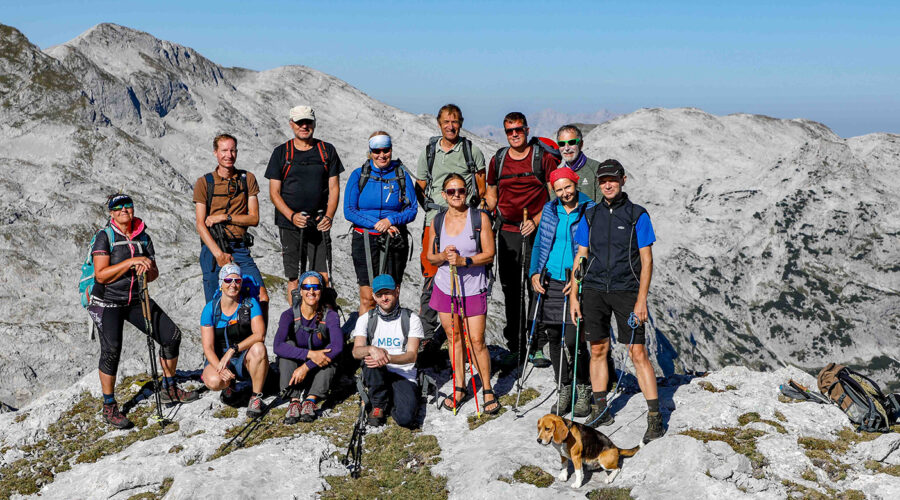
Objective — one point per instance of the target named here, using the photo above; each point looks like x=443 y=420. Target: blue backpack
x=86 y=283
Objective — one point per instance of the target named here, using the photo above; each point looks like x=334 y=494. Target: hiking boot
x=114 y=417
x=564 y=401
x=582 y=400
x=255 y=406
x=175 y=394
x=308 y=410
x=292 y=416
x=230 y=396
x=376 y=417
x=595 y=419
x=538 y=360
x=654 y=427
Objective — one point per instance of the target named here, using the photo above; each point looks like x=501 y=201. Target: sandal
x=447 y=404
x=494 y=401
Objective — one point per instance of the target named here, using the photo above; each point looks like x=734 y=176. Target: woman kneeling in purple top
x=308 y=341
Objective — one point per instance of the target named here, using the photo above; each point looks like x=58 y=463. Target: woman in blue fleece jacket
x=379 y=200
x=308 y=341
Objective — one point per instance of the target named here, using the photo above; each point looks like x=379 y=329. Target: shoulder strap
x=364 y=175
x=404 y=324
x=499 y=158
x=210 y=187
x=323 y=154
x=438 y=222
x=400 y=170
x=242 y=175
x=537 y=154
x=475 y=218
x=371 y=324
x=467 y=154
x=288 y=158
x=430 y=152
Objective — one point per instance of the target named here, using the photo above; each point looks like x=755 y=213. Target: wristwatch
x=235 y=349
x=228 y=219
x=468 y=261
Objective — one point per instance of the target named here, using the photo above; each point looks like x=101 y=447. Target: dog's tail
x=629 y=452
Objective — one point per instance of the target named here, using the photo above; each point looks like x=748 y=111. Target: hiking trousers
x=583 y=377
x=509 y=271
x=386 y=386
x=110 y=321
x=317 y=381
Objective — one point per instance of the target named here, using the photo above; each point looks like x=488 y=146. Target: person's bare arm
x=412 y=351
x=490 y=198
x=480 y=183
x=640 y=306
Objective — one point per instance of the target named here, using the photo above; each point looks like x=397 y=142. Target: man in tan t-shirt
x=222 y=225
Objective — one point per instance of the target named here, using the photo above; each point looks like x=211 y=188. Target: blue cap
x=383 y=282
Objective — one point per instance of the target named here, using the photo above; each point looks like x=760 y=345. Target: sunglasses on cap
x=514 y=130
x=454 y=191
x=380 y=151
x=311 y=286
x=120 y=206
x=236 y=281
x=570 y=142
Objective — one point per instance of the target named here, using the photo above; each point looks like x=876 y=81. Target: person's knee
x=638 y=354
x=599 y=350
x=257 y=353
x=404 y=416
x=109 y=362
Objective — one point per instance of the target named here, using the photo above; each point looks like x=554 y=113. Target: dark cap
x=610 y=168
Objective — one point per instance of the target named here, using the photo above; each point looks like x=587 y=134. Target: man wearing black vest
x=616 y=236
x=304 y=185
x=386 y=339
x=517 y=180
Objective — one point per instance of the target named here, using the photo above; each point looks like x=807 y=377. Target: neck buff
x=390 y=315
x=579 y=162
x=379 y=142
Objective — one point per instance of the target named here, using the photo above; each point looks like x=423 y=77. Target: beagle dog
x=582 y=445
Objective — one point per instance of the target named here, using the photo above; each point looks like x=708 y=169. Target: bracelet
x=329 y=218
x=292 y=216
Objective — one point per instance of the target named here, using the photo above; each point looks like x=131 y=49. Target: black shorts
x=598 y=307
x=313 y=257
x=395 y=261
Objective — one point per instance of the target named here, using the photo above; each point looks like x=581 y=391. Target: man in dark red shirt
x=516 y=181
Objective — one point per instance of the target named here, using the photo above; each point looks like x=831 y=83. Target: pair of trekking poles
x=457 y=309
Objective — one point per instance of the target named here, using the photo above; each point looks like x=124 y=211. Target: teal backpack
x=86 y=283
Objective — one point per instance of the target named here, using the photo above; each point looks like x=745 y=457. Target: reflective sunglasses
x=511 y=131
x=120 y=206
x=380 y=151
x=570 y=142
x=229 y=281
x=454 y=191
x=311 y=286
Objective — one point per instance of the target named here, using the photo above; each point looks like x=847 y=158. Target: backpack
x=400 y=172
x=249 y=289
x=475 y=219
x=860 y=398
x=538 y=147
x=289 y=156
x=372 y=324
x=86 y=283
x=471 y=169
x=321 y=329
x=211 y=185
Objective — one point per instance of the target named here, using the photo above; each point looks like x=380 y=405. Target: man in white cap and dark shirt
x=386 y=339
x=304 y=184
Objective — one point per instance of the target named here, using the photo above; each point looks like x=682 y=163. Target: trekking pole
x=148 y=322
x=521 y=378
x=387 y=245
x=578 y=276
x=469 y=349
x=453 y=350
x=562 y=351
x=522 y=293
x=353 y=458
x=254 y=422
x=466 y=341
x=326 y=236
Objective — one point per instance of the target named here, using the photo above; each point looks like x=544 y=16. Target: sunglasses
x=311 y=286
x=120 y=206
x=455 y=191
x=515 y=130
x=380 y=151
x=236 y=281
x=570 y=142
x=308 y=123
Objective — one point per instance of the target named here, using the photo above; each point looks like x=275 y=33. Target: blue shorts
x=236 y=365
x=210 y=267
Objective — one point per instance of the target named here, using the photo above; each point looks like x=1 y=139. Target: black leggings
x=110 y=322
x=553 y=333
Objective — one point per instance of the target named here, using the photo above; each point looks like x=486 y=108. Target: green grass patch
x=747 y=418
x=226 y=412
x=610 y=494
x=742 y=441
x=878 y=467
x=176 y=449
x=155 y=495
x=823 y=453
x=20 y=418
x=77 y=437
x=707 y=386
x=396 y=463
x=810 y=475
x=796 y=490
x=272 y=282
x=780 y=416
x=530 y=474
x=508 y=400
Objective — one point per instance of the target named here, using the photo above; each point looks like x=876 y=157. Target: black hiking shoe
x=595 y=419
x=175 y=394
x=114 y=417
x=654 y=427
x=376 y=417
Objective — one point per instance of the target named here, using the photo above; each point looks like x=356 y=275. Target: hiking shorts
x=394 y=263
x=241 y=255
x=313 y=255
x=599 y=307
x=473 y=305
x=236 y=365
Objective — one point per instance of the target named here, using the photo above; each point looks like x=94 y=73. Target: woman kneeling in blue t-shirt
x=232 y=333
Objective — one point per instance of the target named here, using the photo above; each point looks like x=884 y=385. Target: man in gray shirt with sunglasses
x=570 y=142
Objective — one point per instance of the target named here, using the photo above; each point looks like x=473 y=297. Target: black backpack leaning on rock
x=860 y=398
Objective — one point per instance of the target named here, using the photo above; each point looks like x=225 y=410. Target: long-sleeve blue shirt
x=380 y=197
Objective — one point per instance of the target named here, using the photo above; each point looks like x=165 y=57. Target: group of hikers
x=568 y=244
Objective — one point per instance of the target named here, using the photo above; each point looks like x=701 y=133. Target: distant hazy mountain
x=545 y=123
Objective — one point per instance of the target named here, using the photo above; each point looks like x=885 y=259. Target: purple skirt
x=473 y=305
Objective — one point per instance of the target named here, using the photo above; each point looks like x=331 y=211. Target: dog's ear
x=559 y=430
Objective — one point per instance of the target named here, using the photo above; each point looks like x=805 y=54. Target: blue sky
x=833 y=62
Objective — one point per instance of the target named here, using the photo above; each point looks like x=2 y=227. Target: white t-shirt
x=389 y=336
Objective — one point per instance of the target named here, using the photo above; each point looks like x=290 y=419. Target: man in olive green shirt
x=570 y=142
x=444 y=155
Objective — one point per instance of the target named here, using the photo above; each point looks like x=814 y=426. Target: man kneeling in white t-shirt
x=389 y=355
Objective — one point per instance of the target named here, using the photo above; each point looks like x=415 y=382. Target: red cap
x=563 y=173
